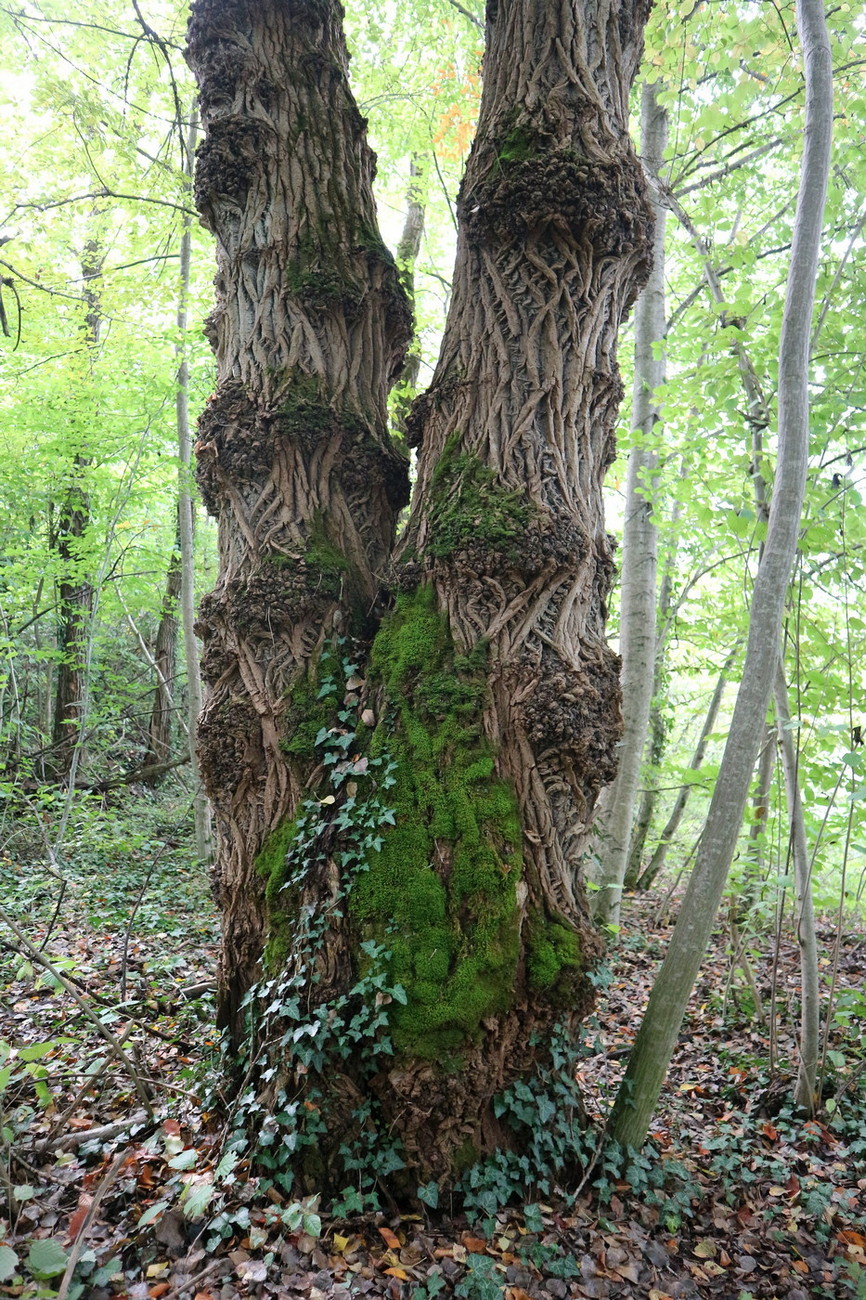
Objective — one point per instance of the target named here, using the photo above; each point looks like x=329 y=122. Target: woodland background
x=106 y=908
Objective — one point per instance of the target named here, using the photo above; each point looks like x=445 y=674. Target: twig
x=41 y=960
x=191 y=1281
x=104 y=1133
x=81 y=1236
x=124 y=962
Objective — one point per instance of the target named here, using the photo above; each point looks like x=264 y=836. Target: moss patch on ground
x=441 y=892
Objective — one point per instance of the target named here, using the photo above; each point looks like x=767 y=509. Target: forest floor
x=110 y=1127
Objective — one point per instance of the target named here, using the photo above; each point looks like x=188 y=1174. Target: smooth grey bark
x=810 y=1032
x=658 y=729
x=639 y=547
x=761 y=809
x=657 y=1036
x=186 y=527
x=657 y=860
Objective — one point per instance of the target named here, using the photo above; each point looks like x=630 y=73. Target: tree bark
x=660 y=1026
x=489 y=694
x=294 y=458
x=639 y=547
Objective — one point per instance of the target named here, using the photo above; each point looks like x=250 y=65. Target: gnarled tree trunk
x=294 y=459
x=489 y=701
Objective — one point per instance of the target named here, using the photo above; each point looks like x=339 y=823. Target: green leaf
x=153 y=1213
x=195 y=1198
x=8 y=1263
x=184 y=1160
x=46 y=1257
x=24 y=1192
x=429 y=1194
x=36 y=1051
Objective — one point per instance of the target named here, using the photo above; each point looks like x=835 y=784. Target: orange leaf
x=172 y=1127
x=79 y=1215
x=516 y=1293
x=397 y=1272
x=800 y=1265
x=769 y=1131
x=161 y=1288
x=477 y=1245
x=853 y=1238
x=389 y=1238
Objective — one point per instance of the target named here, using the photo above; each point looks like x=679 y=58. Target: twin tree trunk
x=487 y=681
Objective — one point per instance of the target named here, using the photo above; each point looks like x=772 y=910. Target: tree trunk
x=186 y=525
x=810 y=1017
x=658 y=727
x=657 y=860
x=639 y=547
x=656 y=1039
x=165 y=663
x=294 y=459
x=488 y=710
x=74 y=589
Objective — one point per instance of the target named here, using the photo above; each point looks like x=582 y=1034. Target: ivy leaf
x=429 y=1194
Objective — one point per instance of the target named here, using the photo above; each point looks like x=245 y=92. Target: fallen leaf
x=397 y=1272
x=475 y=1245
x=390 y=1238
x=78 y=1216
x=706 y=1249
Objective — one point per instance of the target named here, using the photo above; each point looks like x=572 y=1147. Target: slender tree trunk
x=165 y=661
x=658 y=729
x=294 y=459
x=74 y=590
x=760 y=813
x=186 y=528
x=657 y=861
x=656 y=1039
x=407 y=255
x=810 y=1015
x=639 y=548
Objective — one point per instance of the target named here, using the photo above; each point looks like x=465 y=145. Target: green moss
x=469 y=505
x=441 y=892
x=518 y=144
x=271 y=864
x=553 y=952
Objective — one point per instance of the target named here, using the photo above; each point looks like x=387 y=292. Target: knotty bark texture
x=555 y=245
x=515 y=435
x=310 y=328
x=482 y=684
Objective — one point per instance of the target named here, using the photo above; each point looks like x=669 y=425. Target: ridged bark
x=294 y=459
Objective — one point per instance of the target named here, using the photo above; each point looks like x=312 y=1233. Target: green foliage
x=551 y=1134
